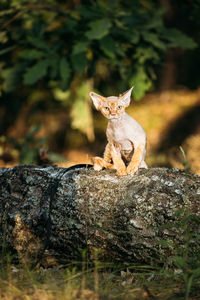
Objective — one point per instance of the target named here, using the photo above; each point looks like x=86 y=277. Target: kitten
x=125 y=150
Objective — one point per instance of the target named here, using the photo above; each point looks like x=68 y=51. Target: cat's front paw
x=121 y=172
x=132 y=169
x=98 y=163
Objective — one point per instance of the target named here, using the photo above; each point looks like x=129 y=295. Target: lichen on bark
x=133 y=218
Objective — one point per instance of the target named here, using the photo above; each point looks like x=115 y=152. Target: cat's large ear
x=97 y=100
x=125 y=98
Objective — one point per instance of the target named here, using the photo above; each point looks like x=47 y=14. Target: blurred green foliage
x=30 y=149
x=29 y=146
x=62 y=45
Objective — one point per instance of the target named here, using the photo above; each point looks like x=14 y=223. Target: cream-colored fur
x=126 y=146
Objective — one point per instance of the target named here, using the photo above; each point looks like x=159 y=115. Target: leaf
x=86 y=12
x=31 y=54
x=62 y=96
x=122 y=35
x=36 y=72
x=54 y=66
x=177 y=38
x=4 y=37
x=135 y=37
x=141 y=82
x=65 y=71
x=81 y=111
x=154 y=40
x=6 y=12
x=12 y=76
x=143 y=54
x=79 y=47
x=6 y=50
x=79 y=62
x=99 y=29
x=155 y=21
x=107 y=45
x=38 y=43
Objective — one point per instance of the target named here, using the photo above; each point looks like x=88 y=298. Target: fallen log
x=50 y=214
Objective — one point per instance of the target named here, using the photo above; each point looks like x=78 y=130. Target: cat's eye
x=107 y=108
x=119 y=107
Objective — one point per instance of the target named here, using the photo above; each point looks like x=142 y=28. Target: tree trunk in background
x=48 y=214
x=168 y=73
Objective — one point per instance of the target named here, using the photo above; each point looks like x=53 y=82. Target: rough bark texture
x=54 y=212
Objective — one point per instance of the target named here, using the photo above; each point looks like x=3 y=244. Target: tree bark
x=48 y=214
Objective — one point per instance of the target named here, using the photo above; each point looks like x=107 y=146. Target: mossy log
x=55 y=212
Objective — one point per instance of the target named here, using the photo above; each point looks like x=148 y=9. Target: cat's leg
x=108 y=157
x=118 y=162
x=107 y=153
x=143 y=165
x=100 y=163
x=137 y=160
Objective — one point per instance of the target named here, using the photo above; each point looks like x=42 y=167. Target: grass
x=185 y=162
x=97 y=281
x=177 y=278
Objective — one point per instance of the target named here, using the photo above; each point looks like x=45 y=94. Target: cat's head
x=112 y=107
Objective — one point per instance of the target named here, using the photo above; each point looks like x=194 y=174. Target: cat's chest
x=117 y=134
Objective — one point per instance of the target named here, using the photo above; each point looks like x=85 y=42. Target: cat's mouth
x=113 y=116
